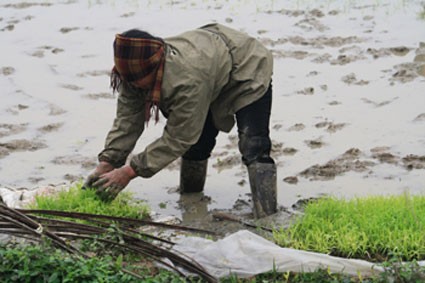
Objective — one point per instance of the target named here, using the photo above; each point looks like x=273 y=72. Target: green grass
x=75 y=199
x=372 y=228
x=43 y=263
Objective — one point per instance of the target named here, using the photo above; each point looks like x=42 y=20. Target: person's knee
x=255 y=149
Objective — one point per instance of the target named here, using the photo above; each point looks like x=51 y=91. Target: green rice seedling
x=75 y=199
x=371 y=228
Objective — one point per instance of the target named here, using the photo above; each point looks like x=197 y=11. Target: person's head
x=137 y=33
x=137 y=56
x=139 y=59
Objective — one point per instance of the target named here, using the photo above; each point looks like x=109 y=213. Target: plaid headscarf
x=140 y=61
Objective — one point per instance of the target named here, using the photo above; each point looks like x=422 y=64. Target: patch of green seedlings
x=75 y=199
x=371 y=228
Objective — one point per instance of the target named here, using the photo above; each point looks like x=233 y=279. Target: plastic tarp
x=19 y=198
x=246 y=254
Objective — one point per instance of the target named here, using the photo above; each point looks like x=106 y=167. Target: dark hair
x=136 y=33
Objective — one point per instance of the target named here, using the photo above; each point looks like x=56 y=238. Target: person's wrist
x=105 y=166
x=129 y=171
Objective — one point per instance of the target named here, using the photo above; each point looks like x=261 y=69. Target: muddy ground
x=348 y=117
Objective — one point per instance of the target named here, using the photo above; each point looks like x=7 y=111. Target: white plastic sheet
x=246 y=254
x=19 y=198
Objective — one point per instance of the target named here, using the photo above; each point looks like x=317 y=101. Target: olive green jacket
x=211 y=68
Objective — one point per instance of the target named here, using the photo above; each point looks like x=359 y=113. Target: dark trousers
x=253 y=131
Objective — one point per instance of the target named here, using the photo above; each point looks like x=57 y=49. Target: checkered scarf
x=140 y=62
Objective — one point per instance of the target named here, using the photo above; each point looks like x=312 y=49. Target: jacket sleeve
x=127 y=127
x=186 y=117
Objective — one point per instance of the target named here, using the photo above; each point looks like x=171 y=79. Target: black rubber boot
x=192 y=175
x=262 y=178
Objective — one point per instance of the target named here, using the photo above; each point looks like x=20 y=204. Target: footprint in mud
x=84 y=162
x=349 y=161
x=8 y=28
x=334 y=102
x=71 y=178
x=330 y=127
x=407 y=72
x=14 y=110
x=385 y=52
x=321 y=41
x=351 y=79
x=277 y=127
x=346 y=59
x=12 y=23
x=306 y=91
x=386 y=157
x=419 y=118
x=297 y=127
x=42 y=49
x=323 y=58
x=413 y=161
x=382 y=154
x=11 y=129
x=273 y=42
x=24 y=5
x=127 y=15
x=50 y=127
x=20 y=145
x=289 y=151
x=311 y=24
x=300 y=55
x=71 y=87
x=233 y=144
x=314 y=144
x=400 y=50
x=102 y=95
x=7 y=71
x=293 y=180
x=228 y=162
x=94 y=74
x=378 y=104
x=378 y=53
x=68 y=29
x=35 y=180
x=55 y=110
x=278 y=150
x=276 y=146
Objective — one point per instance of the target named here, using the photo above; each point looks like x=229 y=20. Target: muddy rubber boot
x=262 y=178
x=192 y=175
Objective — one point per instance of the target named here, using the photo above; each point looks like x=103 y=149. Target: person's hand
x=102 y=168
x=110 y=184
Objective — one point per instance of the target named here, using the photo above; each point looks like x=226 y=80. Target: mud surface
x=348 y=115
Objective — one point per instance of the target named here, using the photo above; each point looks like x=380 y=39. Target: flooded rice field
x=348 y=115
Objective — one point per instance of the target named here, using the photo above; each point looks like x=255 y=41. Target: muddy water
x=348 y=114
